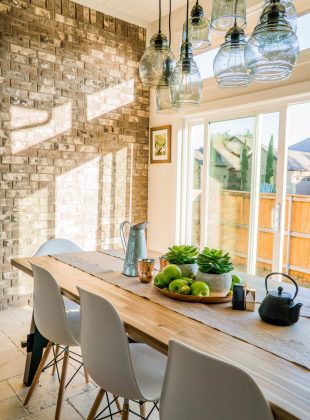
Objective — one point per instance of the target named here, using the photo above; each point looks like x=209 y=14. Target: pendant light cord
x=236 y=4
x=159 y=20
x=169 y=23
x=187 y=21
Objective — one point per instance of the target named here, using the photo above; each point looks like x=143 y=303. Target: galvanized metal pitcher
x=135 y=248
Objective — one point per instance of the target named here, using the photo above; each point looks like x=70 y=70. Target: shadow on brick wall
x=74 y=131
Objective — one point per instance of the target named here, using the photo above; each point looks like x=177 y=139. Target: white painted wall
x=163 y=178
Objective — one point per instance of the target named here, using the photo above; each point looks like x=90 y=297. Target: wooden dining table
x=285 y=385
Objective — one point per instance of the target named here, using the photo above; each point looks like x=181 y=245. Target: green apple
x=179 y=286
x=171 y=272
x=235 y=280
x=188 y=280
x=200 y=288
x=159 y=281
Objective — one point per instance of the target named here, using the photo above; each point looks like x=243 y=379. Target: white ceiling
x=138 y=12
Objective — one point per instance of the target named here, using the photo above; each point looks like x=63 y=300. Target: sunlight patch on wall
x=31 y=126
x=107 y=201
x=120 y=185
x=76 y=204
x=34 y=218
x=107 y=100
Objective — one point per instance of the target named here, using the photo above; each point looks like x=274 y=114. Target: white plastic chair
x=54 y=324
x=133 y=371
x=200 y=387
x=60 y=246
x=57 y=246
x=54 y=247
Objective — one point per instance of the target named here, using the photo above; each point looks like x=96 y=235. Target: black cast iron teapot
x=278 y=307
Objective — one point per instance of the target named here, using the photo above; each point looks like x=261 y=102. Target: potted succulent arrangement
x=184 y=256
x=214 y=268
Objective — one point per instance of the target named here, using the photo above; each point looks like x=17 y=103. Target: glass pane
x=231 y=154
x=268 y=172
x=297 y=244
x=197 y=143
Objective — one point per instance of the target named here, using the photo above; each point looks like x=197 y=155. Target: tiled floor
x=14 y=326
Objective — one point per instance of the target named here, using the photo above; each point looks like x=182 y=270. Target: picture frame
x=160 y=144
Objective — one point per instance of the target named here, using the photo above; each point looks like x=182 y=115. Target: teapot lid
x=280 y=294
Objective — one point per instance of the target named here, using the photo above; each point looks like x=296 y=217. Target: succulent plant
x=214 y=261
x=182 y=254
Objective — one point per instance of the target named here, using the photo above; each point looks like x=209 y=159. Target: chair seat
x=149 y=366
x=74 y=321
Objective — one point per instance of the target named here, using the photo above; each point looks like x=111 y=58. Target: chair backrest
x=49 y=310
x=200 y=387
x=105 y=347
x=57 y=246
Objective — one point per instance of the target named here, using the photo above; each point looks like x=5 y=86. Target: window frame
x=278 y=105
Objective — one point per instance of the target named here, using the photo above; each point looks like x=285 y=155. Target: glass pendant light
x=272 y=50
x=291 y=12
x=198 y=29
x=185 y=82
x=163 y=96
x=152 y=61
x=229 y=66
x=226 y=12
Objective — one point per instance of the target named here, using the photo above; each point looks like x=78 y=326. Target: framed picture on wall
x=160 y=144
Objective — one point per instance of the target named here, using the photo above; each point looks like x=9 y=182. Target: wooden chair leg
x=142 y=409
x=56 y=354
x=118 y=405
x=96 y=404
x=38 y=372
x=125 y=412
x=86 y=375
x=62 y=383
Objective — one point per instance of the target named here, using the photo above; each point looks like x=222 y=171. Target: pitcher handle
x=121 y=228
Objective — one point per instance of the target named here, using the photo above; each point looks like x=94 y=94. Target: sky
x=298 y=125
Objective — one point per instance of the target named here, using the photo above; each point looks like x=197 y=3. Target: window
x=249 y=189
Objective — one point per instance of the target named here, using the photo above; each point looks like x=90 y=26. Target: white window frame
x=250 y=110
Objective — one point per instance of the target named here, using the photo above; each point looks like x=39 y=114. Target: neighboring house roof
x=302 y=146
x=299 y=156
x=298 y=161
x=230 y=150
x=199 y=155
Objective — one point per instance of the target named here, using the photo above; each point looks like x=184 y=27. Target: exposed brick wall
x=73 y=130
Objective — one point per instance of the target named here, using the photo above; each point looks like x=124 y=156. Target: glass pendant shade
x=229 y=66
x=291 y=11
x=199 y=33
x=272 y=50
x=152 y=62
x=185 y=82
x=163 y=95
x=227 y=13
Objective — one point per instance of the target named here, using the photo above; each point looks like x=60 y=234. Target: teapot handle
x=121 y=228
x=285 y=275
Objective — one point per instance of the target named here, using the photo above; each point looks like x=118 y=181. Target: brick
x=56 y=164
x=18 y=49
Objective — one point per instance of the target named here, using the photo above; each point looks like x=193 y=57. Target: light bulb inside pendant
x=272 y=50
x=199 y=31
x=163 y=94
x=227 y=13
x=229 y=66
x=185 y=83
x=153 y=59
